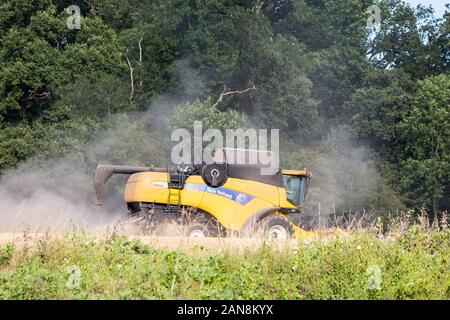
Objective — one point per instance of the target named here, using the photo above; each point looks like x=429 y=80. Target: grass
x=414 y=265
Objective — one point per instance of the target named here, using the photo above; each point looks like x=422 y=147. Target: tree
x=377 y=109
x=40 y=55
x=426 y=130
x=410 y=39
x=53 y=135
x=231 y=46
x=333 y=33
x=154 y=45
x=209 y=115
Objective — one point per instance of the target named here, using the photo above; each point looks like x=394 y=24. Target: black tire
x=135 y=224
x=198 y=231
x=277 y=228
x=203 y=226
x=215 y=175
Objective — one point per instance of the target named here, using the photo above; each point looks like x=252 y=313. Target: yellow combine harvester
x=213 y=200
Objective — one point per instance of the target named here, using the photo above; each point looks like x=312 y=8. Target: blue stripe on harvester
x=239 y=197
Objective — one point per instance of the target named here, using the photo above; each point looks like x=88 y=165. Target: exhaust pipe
x=103 y=172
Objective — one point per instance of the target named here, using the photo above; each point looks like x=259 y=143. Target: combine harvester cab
x=217 y=199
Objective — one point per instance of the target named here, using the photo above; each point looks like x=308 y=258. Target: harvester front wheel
x=198 y=231
x=277 y=228
x=202 y=227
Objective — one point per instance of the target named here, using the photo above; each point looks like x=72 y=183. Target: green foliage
x=413 y=267
x=334 y=33
x=210 y=116
x=40 y=55
x=426 y=130
x=97 y=98
x=410 y=39
x=284 y=99
x=378 y=108
x=159 y=27
x=6 y=254
x=409 y=129
x=54 y=134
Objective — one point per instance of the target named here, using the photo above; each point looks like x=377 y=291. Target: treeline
x=312 y=68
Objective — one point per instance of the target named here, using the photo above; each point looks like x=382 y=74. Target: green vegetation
x=415 y=266
x=336 y=88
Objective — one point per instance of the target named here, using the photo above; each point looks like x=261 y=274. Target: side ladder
x=175 y=185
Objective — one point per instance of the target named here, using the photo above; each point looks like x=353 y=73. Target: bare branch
x=224 y=94
x=140 y=50
x=131 y=78
x=257 y=8
x=34 y=95
x=140 y=63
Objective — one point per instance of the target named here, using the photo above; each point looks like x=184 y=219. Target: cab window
x=295 y=189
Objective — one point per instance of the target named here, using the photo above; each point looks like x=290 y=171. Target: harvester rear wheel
x=277 y=228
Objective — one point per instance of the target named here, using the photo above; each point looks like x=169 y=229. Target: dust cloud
x=57 y=195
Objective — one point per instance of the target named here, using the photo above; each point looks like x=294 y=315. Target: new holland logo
x=239 y=197
x=242 y=198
